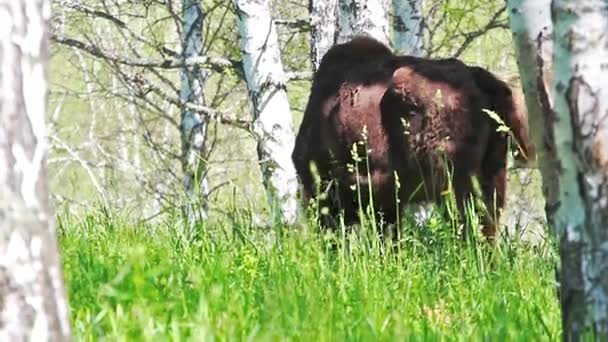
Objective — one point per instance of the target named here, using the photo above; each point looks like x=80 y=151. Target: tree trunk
x=408 y=27
x=581 y=132
x=362 y=17
x=532 y=33
x=193 y=126
x=273 y=122
x=571 y=136
x=322 y=28
x=531 y=26
x=33 y=305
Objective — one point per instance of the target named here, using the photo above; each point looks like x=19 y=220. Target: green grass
x=230 y=281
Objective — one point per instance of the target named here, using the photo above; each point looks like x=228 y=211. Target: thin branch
x=471 y=36
x=85 y=165
x=217 y=64
x=145 y=87
x=298 y=75
x=122 y=25
x=78 y=6
x=299 y=24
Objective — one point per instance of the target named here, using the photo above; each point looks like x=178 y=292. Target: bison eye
x=409 y=113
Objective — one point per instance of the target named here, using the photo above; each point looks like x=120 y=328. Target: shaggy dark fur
x=404 y=116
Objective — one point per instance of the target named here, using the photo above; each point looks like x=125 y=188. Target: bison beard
x=411 y=117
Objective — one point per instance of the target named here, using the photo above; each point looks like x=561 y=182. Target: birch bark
x=532 y=29
x=408 y=27
x=193 y=126
x=362 y=17
x=581 y=133
x=322 y=28
x=33 y=304
x=272 y=115
x=570 y=131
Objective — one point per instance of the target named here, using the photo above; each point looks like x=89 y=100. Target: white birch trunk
x=193 y=126
x=581 y=133
x=532 y=35
x=33 y=304
x=362 y=17
x=272 y=116
x=531 y=26
x=408 y=27
x=322 y=28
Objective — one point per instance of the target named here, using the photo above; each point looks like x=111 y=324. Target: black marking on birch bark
x=572 y=288
x=268 y=86
x=582 y=120
x=543 y=99
x=551 y=209
x=584 y=194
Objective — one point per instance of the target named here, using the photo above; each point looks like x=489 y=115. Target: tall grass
x=231 y=281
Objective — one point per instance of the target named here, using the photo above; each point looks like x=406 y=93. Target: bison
x=401 y=129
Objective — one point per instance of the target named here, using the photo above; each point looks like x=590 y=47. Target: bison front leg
x=301 y=158
x=477 y=196
x=493 y=188
x=307 y=181
x=463 y=193
x=318 y=192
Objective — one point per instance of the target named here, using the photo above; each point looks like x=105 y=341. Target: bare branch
x=299 y=24
x=146 y=87
x=90 y=11
x=298 y=75
x=217 y=64
x=85 y=165
x=493 y=23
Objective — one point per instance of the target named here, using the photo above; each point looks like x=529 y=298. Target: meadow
x=136 y=271
x=232 y=281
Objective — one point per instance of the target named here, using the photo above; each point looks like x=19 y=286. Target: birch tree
x=322 y=28
x=362 y=17
x=531 y=27
x=32 y=296
x=408 y=27
x=272 y=116
x=581 y=132
x=193 y=125
x=571 y=134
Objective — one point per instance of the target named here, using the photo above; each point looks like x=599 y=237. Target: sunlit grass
x=232 y=281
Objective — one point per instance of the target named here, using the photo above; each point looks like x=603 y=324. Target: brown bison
x=402 y=127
